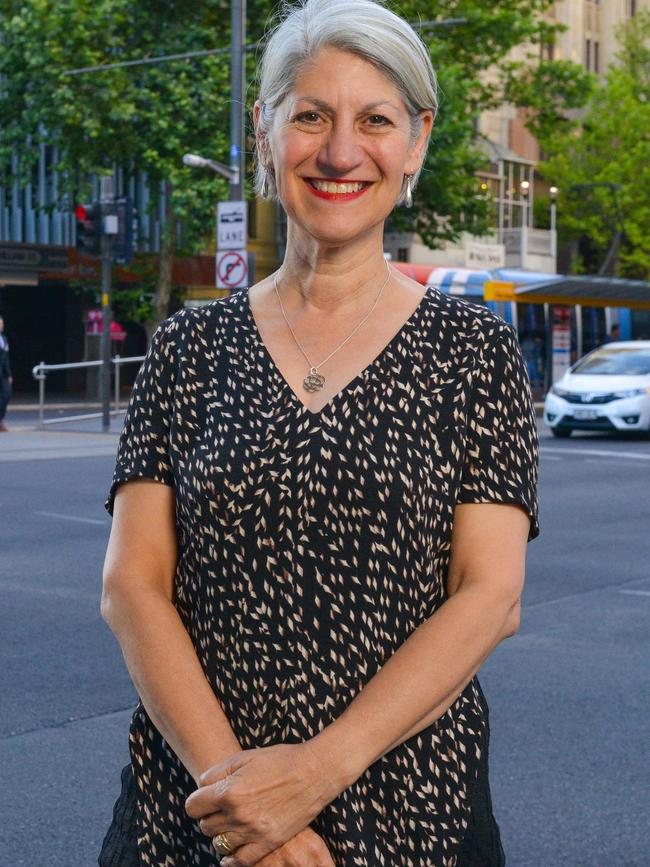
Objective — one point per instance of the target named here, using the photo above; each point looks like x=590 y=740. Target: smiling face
x=340 y=145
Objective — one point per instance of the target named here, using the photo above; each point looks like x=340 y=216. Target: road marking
x=600 y=460
x=72 y=518
x=636 y=592
x=606 y=453
x=60 y=592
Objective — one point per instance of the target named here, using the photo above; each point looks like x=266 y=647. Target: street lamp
x=553 y=192
x=195 y=161
x=525 y=190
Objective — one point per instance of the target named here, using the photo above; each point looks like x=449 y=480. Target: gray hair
x=365 y=28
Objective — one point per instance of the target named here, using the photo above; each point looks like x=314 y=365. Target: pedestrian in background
x=614 y=334
x=322 y=496
x=6 y=379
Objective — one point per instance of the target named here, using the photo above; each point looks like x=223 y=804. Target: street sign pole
x=109 y=230
x=106 y=333
x=237 y=97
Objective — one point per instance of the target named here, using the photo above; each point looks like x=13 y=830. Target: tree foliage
x=449 y=200
x=551 y=91
x=148 y=116
x=144 y=117
x=609 y=145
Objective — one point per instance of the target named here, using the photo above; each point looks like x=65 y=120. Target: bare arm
x=424 y=677
x=136 y=604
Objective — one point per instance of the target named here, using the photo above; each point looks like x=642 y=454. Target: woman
x=330 y=482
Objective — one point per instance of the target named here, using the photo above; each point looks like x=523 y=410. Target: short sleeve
x=143 y=448
x=502 y=452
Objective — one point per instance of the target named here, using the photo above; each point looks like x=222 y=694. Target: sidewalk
x=23 y=416
x=28 y=444
x=27 y=406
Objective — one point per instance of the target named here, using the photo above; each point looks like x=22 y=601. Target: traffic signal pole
x=106 y=333
x=237 y=96
x=109 y=229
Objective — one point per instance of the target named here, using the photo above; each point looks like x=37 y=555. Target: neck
x=326 y=276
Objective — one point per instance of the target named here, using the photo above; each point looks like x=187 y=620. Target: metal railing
x=40 y=371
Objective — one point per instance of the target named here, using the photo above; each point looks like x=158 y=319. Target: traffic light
x=124 y=241
x=89 y=228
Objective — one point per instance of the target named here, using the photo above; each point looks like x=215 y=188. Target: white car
x=606 y=390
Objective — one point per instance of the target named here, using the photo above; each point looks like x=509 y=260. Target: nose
x=340 y=152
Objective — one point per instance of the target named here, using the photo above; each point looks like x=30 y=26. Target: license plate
x=585 y=414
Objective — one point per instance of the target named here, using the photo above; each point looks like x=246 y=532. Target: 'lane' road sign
x=231 y=226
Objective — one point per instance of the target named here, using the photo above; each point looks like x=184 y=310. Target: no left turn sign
x=232 y=269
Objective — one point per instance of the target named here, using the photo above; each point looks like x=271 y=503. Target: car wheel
x=561 y=432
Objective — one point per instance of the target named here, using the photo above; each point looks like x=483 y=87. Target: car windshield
x=621 y=361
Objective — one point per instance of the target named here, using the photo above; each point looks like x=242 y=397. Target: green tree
x=148 y=116
x=476 y=73
x=609 y=146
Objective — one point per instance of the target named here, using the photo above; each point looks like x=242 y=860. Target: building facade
x=42 y=275
x=590 y=39
x=40 y=271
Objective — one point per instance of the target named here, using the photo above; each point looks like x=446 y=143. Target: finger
x=245 y=856
x=207 y=800
x=223 y=769
x=233 y=842
x=216 y=823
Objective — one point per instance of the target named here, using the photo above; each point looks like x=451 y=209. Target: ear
x=257 y=111
x=261 y=140
x=416 y=152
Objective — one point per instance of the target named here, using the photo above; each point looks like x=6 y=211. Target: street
x=568 y=693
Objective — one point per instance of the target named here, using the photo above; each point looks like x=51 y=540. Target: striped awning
x=459 y=281
x=524 y=278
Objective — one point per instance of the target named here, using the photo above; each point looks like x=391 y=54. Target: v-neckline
x=352 y=383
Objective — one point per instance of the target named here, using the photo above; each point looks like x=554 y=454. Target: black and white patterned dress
x=312 y=544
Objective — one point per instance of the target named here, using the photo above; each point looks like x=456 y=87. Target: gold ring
x=222 y=840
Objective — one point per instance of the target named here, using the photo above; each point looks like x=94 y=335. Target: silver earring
x=408 y=195
x=265 y=185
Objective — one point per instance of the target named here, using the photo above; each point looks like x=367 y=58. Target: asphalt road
x=568 y=693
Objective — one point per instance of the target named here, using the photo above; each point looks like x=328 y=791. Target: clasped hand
x=261 y=798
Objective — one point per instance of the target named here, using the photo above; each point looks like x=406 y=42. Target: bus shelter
x=578 y=311
x=558 y=318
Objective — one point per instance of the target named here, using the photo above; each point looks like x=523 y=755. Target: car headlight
x=632 y=392
x=561 y=392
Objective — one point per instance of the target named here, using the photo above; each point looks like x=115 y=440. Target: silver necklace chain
x=314 y=381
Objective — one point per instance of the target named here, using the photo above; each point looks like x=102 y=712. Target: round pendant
x=314 y=381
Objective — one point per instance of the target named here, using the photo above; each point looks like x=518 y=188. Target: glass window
x=532 y=338
x=616 y=361
x=594 y=328
x=640 y=324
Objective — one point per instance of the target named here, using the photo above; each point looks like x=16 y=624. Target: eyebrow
x=327 y=107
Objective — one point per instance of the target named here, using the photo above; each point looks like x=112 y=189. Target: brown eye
x=378 y=120
x=308 y=117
